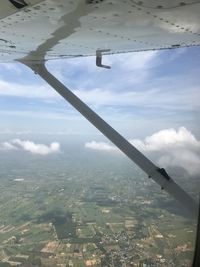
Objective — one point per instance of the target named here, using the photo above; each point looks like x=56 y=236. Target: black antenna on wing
x=18 y=3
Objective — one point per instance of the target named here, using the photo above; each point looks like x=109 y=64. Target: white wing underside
x=53 y=29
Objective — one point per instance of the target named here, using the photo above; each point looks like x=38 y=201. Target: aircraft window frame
x=196 y=259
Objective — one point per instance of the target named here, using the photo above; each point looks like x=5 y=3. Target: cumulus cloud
x=170 y=147
x=168 y=138
x=99 y=146
x=7 y=146
x=31 y=147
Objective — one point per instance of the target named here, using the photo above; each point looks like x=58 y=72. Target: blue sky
x=142 y=94
x=152 y=98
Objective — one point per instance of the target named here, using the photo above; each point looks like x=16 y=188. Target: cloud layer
x=142 y=92
x=8 y=88
x=29 y=146
x=151 y=98
x=133 y=81
x=170 y=147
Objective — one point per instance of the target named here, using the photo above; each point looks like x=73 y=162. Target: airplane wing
x=54 y=29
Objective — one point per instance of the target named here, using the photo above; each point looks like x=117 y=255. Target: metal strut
x=159 y=175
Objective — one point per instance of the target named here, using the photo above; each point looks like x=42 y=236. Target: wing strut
x=159 y=175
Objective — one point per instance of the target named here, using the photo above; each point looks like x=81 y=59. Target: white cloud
x=133 y=68
x=136 y=63
x=13 y=67
x=186 y=99
x=31 y=147
x=133 y=61
x=170 y=147
x=99 y=146
x=168 y=139
x=70 y=116
x=29 y=91
x=188 y=160
x=7 y=146
x=16 y=132
x=175 y=148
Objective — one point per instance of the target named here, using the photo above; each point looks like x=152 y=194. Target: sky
x=146 y=96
